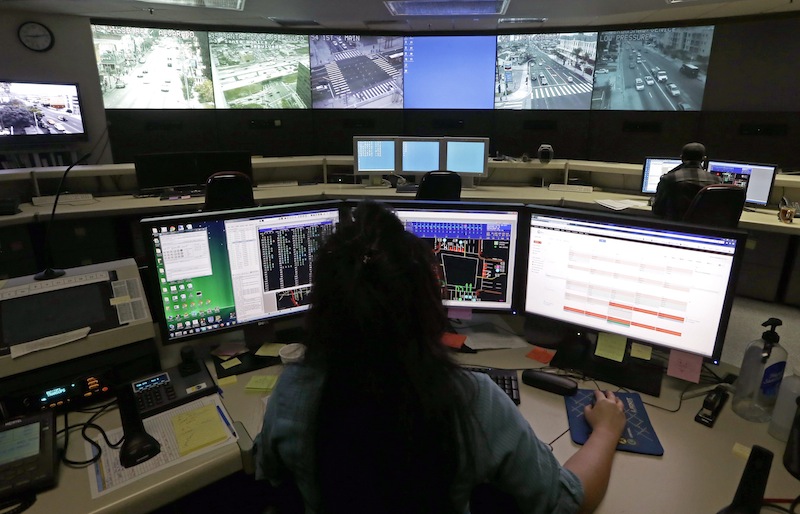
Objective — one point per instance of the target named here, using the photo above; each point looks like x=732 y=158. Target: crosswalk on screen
x=475 y=249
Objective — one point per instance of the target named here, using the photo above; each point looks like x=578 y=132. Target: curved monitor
x=756 y=179
x=40 y=113
x=639 y=279
x=220 y=270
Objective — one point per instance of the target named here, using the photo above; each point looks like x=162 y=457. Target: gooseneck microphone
x=50 y=272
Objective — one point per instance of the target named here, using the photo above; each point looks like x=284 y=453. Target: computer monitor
x=476 y=246
x=223 y=270
x=756 y=179
x=651 y=281
x=653 y=168
x=374 y=156
x=420 y=155
x=467 y=156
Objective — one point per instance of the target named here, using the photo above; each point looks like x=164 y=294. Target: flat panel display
x=220 y=270
x=356 y=71
x=420 y=155
x=657 y=69
x=475 y=245
x=663 y=283
x=756 y=179
x=449 y=72
x=256 y=70
x=40 y=113
x=467 y=156
x=375 y=155
x=653 y=168
x=153 y=68
x=545 y=71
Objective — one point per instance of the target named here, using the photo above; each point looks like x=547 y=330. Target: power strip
x=64 y=198
x=570 y=187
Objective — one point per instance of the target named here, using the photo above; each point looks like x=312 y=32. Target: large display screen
x=660 y=69
x=38 y=113
x=356 y=71
x=756 y=179
x=545 y=71
x=255 y=70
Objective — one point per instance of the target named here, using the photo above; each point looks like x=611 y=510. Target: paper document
x=45 y=343
x=486 y=336
x=107 y=474
x=619 y=205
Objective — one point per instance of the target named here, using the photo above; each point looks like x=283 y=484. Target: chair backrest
x=440 y=185
x=228 y=190
x=718 y=205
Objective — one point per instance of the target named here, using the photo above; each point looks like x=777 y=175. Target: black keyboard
x=505 y=378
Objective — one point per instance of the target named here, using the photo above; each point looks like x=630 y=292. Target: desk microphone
x=50 y=272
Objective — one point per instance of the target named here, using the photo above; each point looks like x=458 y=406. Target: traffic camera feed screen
x=652 y=69
x=28 y=110
x=545 y=71
x=356 y=72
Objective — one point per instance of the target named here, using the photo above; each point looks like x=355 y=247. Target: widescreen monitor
x=449 y=72
x=653 y=69
x=222 y=270
x=545 y=71
x=476 y=247
x=756 y=179
x=375 y=155
x=660 y=283
x=39 y=113
x=420 y=155
x=469 y=157
x=653 y=168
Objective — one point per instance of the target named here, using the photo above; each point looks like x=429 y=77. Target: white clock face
x=35 y=36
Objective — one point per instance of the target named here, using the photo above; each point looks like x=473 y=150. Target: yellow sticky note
x=231 y=379
x=269 y=349
x=611 y=346
x=262 y=382
x=228 y=364
x=740 y=450
x=119 y=300
x=198 y=428
x=641 y=351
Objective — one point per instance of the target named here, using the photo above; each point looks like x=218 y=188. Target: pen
x=225 y=420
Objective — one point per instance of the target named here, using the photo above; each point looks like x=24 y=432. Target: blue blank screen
x=420 y=156
x=466 y=156
x=449 y=72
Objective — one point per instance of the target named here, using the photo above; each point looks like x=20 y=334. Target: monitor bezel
x=644 y=222
x=766 y=165
x=151 y=276
x=646 y=161
x=363 y=172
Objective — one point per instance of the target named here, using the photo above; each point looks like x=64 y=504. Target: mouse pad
x=638 y=436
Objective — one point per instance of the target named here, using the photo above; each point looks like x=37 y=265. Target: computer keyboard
x=570 y=187
x=64 y=198
x=505 y=378
x=407 y=188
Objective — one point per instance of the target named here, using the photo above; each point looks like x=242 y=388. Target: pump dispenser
x=760 y=375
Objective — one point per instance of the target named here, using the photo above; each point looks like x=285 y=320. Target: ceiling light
x=446 y=7
x=231 y=5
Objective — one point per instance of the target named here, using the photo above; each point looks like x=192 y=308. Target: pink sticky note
x=685 y=366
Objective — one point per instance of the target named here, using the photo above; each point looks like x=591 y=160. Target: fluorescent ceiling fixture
x=522 y=20
x=231 y=5
x=446 y=7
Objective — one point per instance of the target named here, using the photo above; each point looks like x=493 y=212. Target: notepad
x=197 y=429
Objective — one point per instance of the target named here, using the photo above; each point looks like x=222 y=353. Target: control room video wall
x=656 y=69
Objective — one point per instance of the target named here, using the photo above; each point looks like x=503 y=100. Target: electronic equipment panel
x=653 y=168
x=756 y=179
x=663 y=283
x=221 y=270
x=476 y=246
x=28 y=455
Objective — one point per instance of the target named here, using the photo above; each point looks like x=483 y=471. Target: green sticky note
x=269 y=349
x=262 y=383
x=641 y=351
x=611 y=346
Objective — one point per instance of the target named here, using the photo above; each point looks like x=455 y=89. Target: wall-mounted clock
x=36 y=36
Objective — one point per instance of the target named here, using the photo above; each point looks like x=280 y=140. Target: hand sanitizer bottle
x=760 y=376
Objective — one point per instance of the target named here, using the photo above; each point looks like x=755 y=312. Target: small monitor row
x=756 y=179
x=382 y=155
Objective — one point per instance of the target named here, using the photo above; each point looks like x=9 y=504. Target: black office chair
x=719 y=205
x=439 y=185
x=228 y=190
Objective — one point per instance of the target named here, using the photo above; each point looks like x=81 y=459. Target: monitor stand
x=467 y=182
x=578 y=353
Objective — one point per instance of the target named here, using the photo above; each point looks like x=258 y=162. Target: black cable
x=17 y=505
x=102 y=409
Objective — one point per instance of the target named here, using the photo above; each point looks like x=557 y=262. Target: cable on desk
x=562 y=434
x=84 y=426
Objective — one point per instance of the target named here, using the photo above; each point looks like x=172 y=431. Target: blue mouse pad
x=638 y=436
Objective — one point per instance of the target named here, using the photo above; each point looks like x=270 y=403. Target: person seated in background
x=678 y=187
x=380 y=418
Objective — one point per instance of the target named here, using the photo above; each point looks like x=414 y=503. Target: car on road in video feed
x=673 y=89
x=649 y=80
x=683 y=106
x=639 y=84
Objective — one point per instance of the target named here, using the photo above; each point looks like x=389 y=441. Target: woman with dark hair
x=379 y=418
